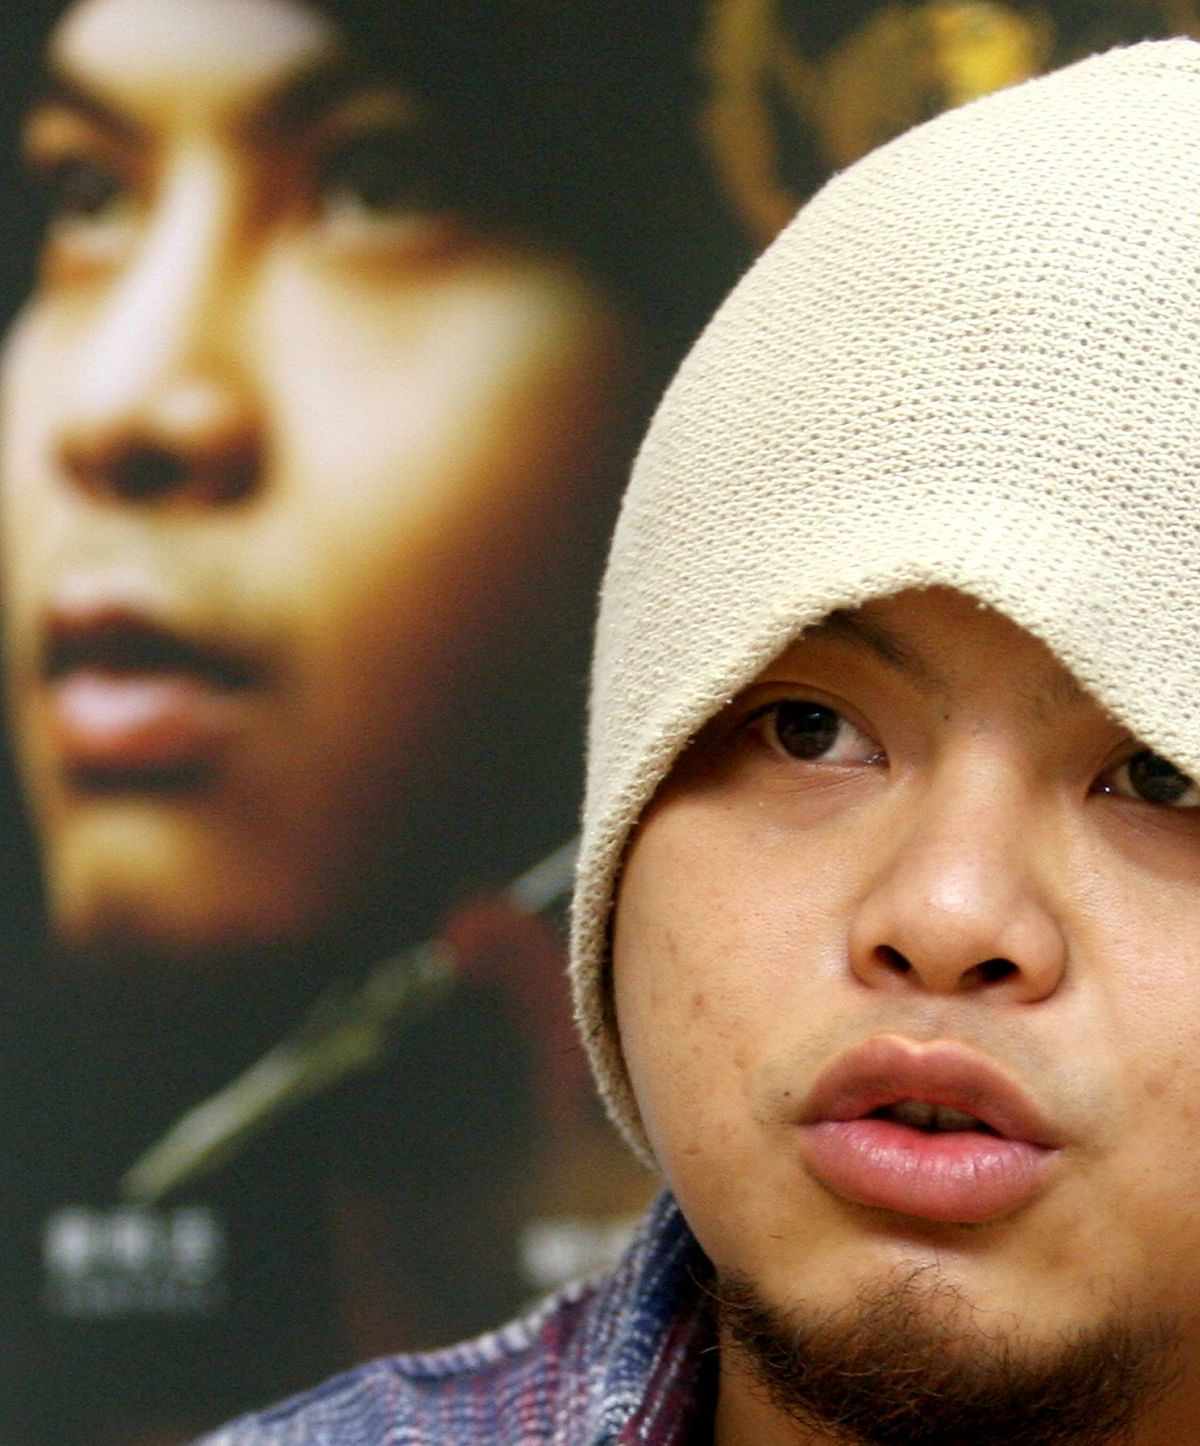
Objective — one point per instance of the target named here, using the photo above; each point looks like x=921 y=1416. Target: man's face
x=284 y=438
x=913 y=866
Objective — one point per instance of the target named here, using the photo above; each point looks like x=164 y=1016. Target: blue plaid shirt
x=623 y=1360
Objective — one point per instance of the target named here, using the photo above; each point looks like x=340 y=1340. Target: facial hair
x=909 y=1364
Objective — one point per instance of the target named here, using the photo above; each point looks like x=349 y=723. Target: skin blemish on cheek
x=1157 y=1085
x=699 y=1004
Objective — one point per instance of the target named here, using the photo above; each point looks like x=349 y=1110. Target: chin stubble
x=912 y=1364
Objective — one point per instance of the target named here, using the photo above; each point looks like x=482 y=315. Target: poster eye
x=378 y=176
x=81 y=190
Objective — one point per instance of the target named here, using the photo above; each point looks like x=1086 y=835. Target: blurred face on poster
x=289 y=440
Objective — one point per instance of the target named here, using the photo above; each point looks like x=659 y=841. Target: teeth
x=919 y=1115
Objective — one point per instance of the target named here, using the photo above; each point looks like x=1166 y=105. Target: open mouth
x=932 y=1131
x=931 y=1119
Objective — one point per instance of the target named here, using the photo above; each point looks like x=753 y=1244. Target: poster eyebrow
x=61 y=90
x=295 y=102
x=301 y=98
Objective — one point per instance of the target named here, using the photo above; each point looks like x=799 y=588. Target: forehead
x=940 y=641
x=219 y=54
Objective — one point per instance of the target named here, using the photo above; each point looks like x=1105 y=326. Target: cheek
x=712 y=971
x=1137 y=952
x=1134 y=1005
x=688 y=1053
x=432 y=395
x=710 y=998
x=1157 y=1010
x=424 y=437
x=1152 y=1199
x=36 y=357
x=34 y=509
x=432 y=436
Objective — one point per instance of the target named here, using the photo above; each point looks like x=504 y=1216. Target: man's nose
x=963 y=902
x=160 y=408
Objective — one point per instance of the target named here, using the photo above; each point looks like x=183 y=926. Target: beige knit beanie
x=972 y=360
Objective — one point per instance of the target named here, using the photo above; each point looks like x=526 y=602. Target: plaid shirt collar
x=651 y=1343
x=625 y=1361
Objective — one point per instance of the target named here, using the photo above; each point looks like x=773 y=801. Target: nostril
x=893 y=959
x=992 y=971
x=145 y=475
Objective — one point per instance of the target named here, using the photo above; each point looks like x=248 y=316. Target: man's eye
x=1153 y=779
x=801 y=729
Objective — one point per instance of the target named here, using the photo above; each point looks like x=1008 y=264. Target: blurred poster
x=330 y=330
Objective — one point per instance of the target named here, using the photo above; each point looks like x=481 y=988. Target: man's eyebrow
x=851 y=627
x=60 y=90
x=1046 y=695
x=1053 y=692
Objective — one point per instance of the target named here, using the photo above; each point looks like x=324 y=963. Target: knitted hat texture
x=973 y=360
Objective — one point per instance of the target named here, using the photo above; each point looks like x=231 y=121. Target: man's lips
x=133 y=703
x=859 y=1146
x=888 y=1069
